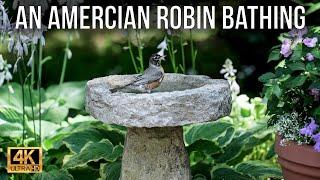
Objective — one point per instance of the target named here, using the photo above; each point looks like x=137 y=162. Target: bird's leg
x=149 y=91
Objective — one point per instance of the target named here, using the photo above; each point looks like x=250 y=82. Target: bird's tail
x=119 y=88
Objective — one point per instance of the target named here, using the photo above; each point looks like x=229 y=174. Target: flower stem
x=39 y=87
x=182 y=55
x=193 y=54
x=65 y=60
x=132 y=56
x=33 y=47
x=23 y=104
x=140 y=47
x=30 y=91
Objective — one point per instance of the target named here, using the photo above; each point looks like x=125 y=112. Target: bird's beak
x=163 y=58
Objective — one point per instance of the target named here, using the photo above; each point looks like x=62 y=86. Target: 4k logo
x=24 y=160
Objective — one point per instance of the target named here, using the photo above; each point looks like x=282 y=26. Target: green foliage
x=227 y=148
x=293 y=86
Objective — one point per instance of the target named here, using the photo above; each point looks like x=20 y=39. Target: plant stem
x=132 y=56
x=23 y=103
x=182 y=55
x=30 y=91
x=193 y=53
x=65 y=60
x=39 y=88
x=140 y=47
x=33 y=47
x=171 y=52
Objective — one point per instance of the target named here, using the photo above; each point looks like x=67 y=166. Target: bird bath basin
x=154 y=147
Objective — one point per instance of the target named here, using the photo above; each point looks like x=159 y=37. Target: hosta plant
x=293 y=89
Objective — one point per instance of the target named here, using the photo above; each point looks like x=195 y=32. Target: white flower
x=5 y=74
x=234 y=86
x=228 y=69
x=162 y=46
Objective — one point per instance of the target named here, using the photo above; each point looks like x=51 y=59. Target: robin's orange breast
x=153 y=85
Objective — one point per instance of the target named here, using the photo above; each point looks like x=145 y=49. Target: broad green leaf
x=110 y=171
x=297 y=81
x=234 y=149
x=316 y=52
x=297 y=53
x=274 y=55
x=85 y=173
x=259 y=170
x=297 y=66
x=227 y=173
x=94 y=151
x=266 y=77
x=80 y=118
x=203 y=168
x=70 y=94
x=205 y=146
x=15 y=99
x=76 y=141
x=51 y=111
x=199 y=177
x=208 y=131
x=227 y=138
x=11 y=123
x=54 y=174
x=47 y=128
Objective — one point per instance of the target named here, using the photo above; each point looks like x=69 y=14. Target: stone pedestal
x=161 y=155
x=154 y=147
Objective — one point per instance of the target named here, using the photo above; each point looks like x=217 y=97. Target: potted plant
x=292 y=93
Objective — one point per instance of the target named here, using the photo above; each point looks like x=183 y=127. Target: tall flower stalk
x=67 y=56
x=193 y=52
x=39 y=89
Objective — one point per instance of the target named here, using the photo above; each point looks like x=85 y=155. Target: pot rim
x=300 y=154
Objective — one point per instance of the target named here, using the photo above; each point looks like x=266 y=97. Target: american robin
x=151 y=78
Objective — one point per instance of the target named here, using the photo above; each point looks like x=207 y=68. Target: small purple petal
x=310 y=42
x=316 y=147
x=315 y=93
x=298 y=33
x=286 y=50
x=309 y=57
x=309 y=129
x=316 y=138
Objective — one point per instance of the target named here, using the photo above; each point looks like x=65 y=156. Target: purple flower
x=309 y=129
x=309 y=57
x=286 y=50
x=310 y=42
x=298 y=33
x=315 y=93
x=316 y=137
x=316 y=147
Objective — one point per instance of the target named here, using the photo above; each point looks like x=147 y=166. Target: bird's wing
x=148 y=76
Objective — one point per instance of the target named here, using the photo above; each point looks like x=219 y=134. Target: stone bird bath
x=154 y=147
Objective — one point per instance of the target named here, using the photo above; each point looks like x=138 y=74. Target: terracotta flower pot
x=298 y=162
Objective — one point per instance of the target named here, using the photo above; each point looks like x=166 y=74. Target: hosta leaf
x=202 y=168
x=199 y=177
x=237 y=145
x=54 y=174
x=94 y=151
x=77 y=140
x=227 y=138
x=11 y=123
x=71 y=93
x=206 y=146
x=110 y=171
x=208 y=131
x=15 y=99
x=259 y=170
x=227 y=173
x=47 y=128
